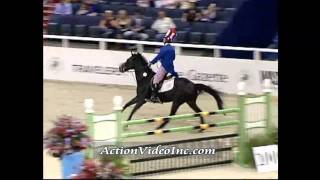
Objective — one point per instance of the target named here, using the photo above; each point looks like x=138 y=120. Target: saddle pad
x=167 y=85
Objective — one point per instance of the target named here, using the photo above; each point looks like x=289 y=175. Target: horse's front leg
x=136 y=107
x=132 y=101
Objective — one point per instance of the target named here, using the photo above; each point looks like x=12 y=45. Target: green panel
x=228 y=123
x=255 y=100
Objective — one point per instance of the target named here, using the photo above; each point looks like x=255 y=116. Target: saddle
x=161 y=82
x=167 y=86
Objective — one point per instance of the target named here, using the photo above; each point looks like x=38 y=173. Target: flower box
x=72 y=163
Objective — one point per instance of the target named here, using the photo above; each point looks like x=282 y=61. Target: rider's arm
x=175 y=74
x=158 y=57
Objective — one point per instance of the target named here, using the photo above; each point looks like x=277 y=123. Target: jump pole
x=88 y=104
x=268 y=91
x=241 y=127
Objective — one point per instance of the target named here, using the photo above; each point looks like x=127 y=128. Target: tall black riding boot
x=154 y=95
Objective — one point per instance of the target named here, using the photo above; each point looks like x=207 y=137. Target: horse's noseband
x=121 y=68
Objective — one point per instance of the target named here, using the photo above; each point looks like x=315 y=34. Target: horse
x=183 y=91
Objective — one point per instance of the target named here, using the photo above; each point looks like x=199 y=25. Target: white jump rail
x=216 y=49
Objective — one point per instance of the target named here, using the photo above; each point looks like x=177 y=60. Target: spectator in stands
x=137 y=28
x=187 y=4
x=76 y=4
x=198 y=16
x=63 y=8
x=87 y=9
x=211 y=12
x=93 y=4
x=204 y=16
x=190 y=16
x=123 y=23
x=109 y=24
x=168 y=4
x=157 y=3
x=143 y=3
x=162 y=25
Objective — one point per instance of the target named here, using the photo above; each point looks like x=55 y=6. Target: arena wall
x=101 y=67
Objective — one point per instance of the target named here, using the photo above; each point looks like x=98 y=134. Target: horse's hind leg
x=174 y=108
x=195 y=107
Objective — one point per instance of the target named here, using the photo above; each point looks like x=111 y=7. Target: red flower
x=67 y=136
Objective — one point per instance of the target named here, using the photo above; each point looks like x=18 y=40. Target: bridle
x=144 y=69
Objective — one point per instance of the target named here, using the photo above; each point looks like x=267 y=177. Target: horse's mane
x=143 y=58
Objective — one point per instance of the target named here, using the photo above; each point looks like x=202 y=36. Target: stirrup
x=155 y=100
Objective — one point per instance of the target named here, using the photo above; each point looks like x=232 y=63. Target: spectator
x=190 y=16
x=170 y=4
x=76 y=4
x=109 y=24
x=137 y=30
x=198 y=17
x=143 y=3
x=187 y=4
x=205 y=16
x=93 y=4
x=87 y=10
x=123 y=23
x=157 y=4
x=63 y=8
x=162 y=25
x=211 y=12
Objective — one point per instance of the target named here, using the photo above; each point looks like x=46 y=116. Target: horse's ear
x=133 y=52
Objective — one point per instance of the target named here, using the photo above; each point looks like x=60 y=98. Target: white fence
x=103 y=42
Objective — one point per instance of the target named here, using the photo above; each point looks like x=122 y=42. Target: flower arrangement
x=114 y=168
x=66 y=137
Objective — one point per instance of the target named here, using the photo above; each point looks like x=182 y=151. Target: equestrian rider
x=166 y=57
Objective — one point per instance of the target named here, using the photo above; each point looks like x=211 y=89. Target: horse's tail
x=212 y=92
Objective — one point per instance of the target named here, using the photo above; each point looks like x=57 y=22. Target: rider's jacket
x=166 y=56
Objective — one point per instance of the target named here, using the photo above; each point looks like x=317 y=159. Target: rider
x=166 y=57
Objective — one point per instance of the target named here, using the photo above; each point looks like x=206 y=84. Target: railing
x=216 y=49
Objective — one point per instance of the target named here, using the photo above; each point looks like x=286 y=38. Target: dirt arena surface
x=67 y=98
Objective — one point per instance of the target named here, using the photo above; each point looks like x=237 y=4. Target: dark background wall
x=254 y=25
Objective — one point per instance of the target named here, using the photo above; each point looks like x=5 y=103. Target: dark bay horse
x=184 y=91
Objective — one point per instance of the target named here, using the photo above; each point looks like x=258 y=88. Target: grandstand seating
x=69 y=25
x=197 y=32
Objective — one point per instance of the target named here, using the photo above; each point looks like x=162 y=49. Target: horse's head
x=135 y=61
